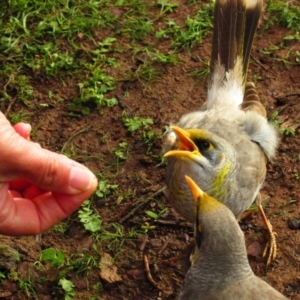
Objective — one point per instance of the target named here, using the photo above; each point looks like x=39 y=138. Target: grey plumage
x=225 y=146
x=221 y=270
x=234 y=120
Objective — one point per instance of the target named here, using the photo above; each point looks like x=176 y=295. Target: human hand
x=38 y=188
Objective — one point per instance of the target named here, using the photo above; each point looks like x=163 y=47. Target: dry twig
x=258 y=62
x=148 y=273
x=143 y=202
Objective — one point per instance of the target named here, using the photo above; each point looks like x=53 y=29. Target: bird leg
x=270 y=250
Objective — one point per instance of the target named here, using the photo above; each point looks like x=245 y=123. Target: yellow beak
x=186 y=147
x=196 y=191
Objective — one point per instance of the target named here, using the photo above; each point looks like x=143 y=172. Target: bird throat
x=219 y=183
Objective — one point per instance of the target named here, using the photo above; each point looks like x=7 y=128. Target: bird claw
x=270 y=251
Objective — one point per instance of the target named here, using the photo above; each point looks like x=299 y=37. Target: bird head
x=215 y=225
x=197 y=145
x=203 y=204
x=204 y=156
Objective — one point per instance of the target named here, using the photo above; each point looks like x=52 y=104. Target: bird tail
x=235 y=23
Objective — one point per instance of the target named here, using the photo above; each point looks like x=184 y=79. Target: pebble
x=293 y=223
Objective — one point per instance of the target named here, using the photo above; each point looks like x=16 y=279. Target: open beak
x=185 y=147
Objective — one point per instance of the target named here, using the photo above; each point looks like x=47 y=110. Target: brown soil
x=169 y=244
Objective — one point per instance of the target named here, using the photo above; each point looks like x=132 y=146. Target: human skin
x=38 y=188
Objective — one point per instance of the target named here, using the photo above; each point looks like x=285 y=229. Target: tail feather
x=235 y=23
x=228 y=32
x=253 y=12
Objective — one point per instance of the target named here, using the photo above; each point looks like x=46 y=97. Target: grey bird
x=225 y=145
x=221 y=270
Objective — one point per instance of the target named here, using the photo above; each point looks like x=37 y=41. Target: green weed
x=68 y=288
x=166 y=6
x=93 y=91
x=135 y=123
x=277 y=123
x=88 y=218
x=193 y=31
x=55 y=257
x=285 y=13
x=104 y=189
x=122 y=152
x=155 y=216
x=23 y=284
x=147 y=227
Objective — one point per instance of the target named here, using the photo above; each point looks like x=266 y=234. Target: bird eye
x=202 y=145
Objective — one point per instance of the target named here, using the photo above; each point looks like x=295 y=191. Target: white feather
x=226 y=88
x=261 y=132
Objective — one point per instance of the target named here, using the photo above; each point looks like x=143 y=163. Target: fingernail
x=81 y=180
x=28 y=126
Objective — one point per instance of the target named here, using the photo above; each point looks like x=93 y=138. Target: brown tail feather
x=253 y=12
x=235 y=23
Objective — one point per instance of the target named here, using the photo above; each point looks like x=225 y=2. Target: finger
x=32 y=192
x=19 y=184
x=15 y=194
x=23 y=129
x=46 y=169
x=19 y=216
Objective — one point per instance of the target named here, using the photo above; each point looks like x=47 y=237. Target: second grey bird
x=221 y=270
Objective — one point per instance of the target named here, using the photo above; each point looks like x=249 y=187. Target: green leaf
x=152 y=214
x=88 y=218
x=55 y=257
x=68 y=287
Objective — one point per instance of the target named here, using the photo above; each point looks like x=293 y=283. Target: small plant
x=68 y=287
x=273 y=119
x=2 y=275
x=149 y=138
x=135 y=123
x=88 y=218
x=288 y=131
x=137 y=27
x=166 y=6
x=165 y=58
x=20 y=84
x=19 y=116
x=277 y=123
x=93 y=91
x=203 y=71
x=104 y=189
x=284 y=13
x=155 y=216
x=97 y=287
x=114 y=235
x=55 y=257
x=193 y=31
x=126 y=195
x=145 y=72
x=122 y=151
x=147 y=227
x=23 y=284
x=82 y=262
x=61 y=227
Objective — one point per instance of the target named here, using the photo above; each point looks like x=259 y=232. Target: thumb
x=23 y=129
x=48 y=170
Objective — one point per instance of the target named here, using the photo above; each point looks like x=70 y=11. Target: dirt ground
x=166 y=247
